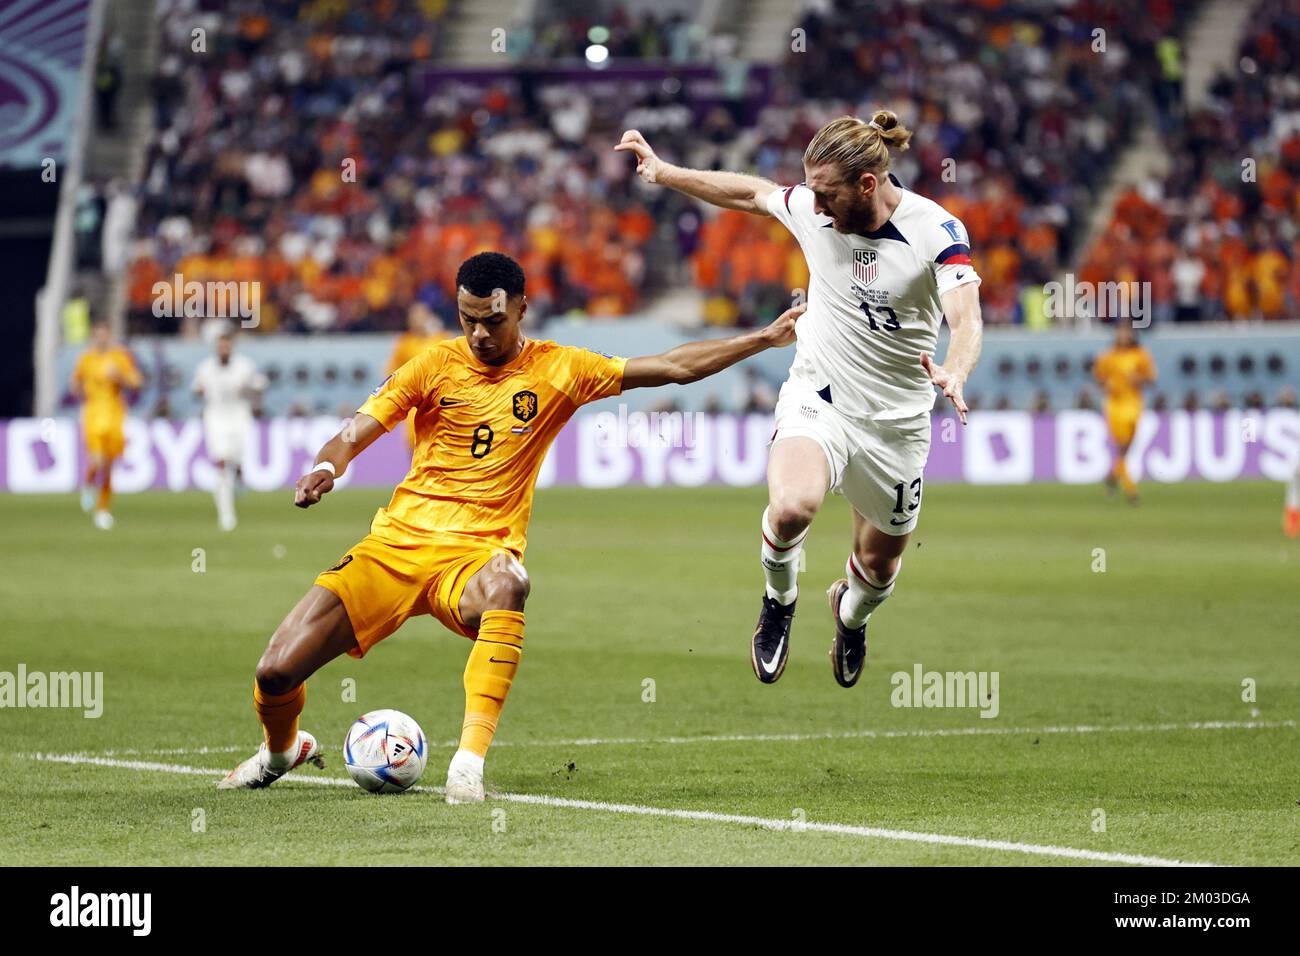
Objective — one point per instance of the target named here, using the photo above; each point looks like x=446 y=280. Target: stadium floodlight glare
x=597 y=54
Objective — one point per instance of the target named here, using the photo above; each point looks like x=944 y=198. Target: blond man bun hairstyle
x=857 y=146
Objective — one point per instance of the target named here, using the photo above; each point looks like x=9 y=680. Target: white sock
x=781 y=563
x=224 y=492
x=1293 y=491
x=281 y=761
x=865 y=593
x=466 y=760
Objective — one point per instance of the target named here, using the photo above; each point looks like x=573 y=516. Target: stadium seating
x=1219 y=237
x=1029 y=113
x=1015 y=129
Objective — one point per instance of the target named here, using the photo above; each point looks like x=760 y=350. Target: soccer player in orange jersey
x=451 y=541
x=103 y=373
x=1123 y=371
x=1291 y=513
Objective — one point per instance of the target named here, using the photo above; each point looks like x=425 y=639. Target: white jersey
x=227 y=388
x=873 y=303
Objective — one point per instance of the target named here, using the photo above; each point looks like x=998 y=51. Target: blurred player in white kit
x=228 y=384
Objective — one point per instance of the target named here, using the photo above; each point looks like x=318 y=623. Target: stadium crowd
x=1018 y=109
x=310 y=147
x=1219 y=236
x=300 y=151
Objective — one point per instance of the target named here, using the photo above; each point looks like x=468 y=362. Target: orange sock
x=105 y=500
x=488 y=676
x=279 y=716
x=1121 y=472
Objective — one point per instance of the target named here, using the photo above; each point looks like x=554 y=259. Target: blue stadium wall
x=333 y=375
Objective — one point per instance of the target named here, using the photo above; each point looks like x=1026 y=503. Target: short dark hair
x=486 y=272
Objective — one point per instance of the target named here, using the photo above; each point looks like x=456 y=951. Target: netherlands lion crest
x=525 y=406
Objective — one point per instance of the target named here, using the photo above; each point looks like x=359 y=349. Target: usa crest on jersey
x=864 y=266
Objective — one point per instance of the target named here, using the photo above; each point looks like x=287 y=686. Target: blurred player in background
x=423 y=331
x=1291 y=516
x=228 y=384
x=104 y=372
x=887 y=266
x=451 y=542
x=1123 y=371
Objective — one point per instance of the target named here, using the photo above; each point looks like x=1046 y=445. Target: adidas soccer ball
x=385 y=751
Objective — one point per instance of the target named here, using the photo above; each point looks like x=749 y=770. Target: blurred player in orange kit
x=423 y=331
x=1291 y=513
x=104 y=372
x=451 y=542
x=1123 y=371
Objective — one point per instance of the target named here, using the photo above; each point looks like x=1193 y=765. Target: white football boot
x=465 y=778
x=104 y=520
x=256 y=772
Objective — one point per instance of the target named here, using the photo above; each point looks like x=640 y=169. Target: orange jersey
x=481 y=433
x=409 y=345
x=1118 y=370
x=102 y=377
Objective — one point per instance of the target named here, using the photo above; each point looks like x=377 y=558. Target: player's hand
x=950 y=382
x=647 y=163
x=782 y=332
x=311 y=486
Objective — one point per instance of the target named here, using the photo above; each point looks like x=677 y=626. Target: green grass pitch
x=1199 y=594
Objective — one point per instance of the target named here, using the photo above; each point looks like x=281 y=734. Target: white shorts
x=878 y=466
x=225 y=436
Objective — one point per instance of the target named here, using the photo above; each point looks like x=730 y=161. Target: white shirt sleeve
x=948 y=247
x=253 y=379
x=793 y=205
x=201 y=377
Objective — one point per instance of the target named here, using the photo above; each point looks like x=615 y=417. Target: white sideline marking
x=777 y=738
x=934 y=732
x=632 y=809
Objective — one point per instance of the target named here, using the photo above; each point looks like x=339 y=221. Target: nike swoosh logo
x=445 y=402
x=495 y=661
x=776 y=658
x=960 y=274
x=896 y=523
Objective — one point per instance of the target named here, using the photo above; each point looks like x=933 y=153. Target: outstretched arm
x=961 y=306
x=334 y=457
x=696 y=360
x=728 y=190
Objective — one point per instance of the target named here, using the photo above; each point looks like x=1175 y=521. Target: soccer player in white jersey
x=227 y=383
x=886 y=267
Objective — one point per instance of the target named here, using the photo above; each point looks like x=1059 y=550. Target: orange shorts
x=383 y=582
x=105 y=442
x=1123 y=421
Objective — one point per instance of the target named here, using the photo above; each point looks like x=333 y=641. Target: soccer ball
x=385 y=751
